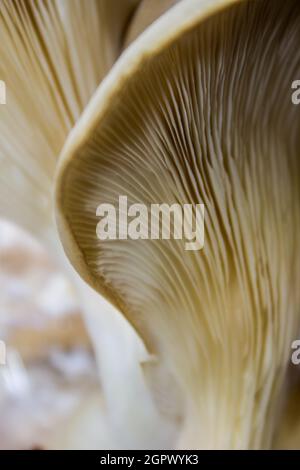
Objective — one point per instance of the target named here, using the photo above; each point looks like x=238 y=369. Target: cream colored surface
x=147 y=12
x=200 y=114
x=63 y=50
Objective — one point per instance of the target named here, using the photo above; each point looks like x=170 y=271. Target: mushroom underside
x=208 y=119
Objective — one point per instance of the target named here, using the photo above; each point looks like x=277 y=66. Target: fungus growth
x=198 y=110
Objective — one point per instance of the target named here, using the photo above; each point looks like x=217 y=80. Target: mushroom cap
x=54 y=54
x=146 y=13
x=200 y=113
x=186 y=16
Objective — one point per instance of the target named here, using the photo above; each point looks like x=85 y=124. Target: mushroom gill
x=54 y=53
x=53 y=56
x=201 y=113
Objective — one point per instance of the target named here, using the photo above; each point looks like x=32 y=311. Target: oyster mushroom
x=54 y=53
x=53 y=56
x=200 y=113
x=146 y=13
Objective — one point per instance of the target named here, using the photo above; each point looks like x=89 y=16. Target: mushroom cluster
x=196 y=110
x=54 y=53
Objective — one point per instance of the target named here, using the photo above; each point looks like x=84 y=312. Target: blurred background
x=49 y=368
